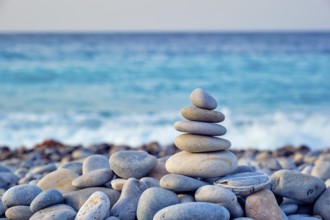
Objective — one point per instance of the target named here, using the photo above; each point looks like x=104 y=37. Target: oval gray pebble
x=19 y=213
x=180 y=183
x=202 y=99
x=45 y=199
x=93 y=178
x=20 y=195
x=95 y=162
x=197 y=114
x=193 y=210
x=201 y=128
x=56 y=212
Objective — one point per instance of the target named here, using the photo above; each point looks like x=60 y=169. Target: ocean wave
x=263 y=131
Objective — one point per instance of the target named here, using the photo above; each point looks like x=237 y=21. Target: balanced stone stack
x=203 y=155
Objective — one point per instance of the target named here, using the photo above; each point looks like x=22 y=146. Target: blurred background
x=85 y=72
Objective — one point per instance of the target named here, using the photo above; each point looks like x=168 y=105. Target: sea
x=129 y=88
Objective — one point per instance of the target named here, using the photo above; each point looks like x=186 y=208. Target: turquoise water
x=129 y=88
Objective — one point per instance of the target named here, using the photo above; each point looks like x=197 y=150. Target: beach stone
x=222 y=196
x=117 y=184
x=3 y=183
x=74 y=166
x=302 y=217
x=183 y=198
x=77 y=198
x=193 y=113
x=193 y=210
x=243 y=169
x=321 y=169
x=4 y=168
x=244 y=184
x=20 y=195
x=150 y=182
x=135 y=164
x=154 y=199
x=20 y=212
x=93 y=178
x=45 y=199
x=97 y=206
x=180 y=183
x=201 y=128
x=10 y=179
x=44 y=168
x=202 y=99
x=322 y=205
x=327 y=183
x=199 y=143
x=284 y=216
x=203 y=165
x=285 y=182
x=307 y=169
x=60 y=179
x=55 y=212
x=159 y=171
x=2 y=207
x=95 y=162
x=243 y=218
x=112 y=218
x=262 y=205
x=289 y=208
x=126 y=206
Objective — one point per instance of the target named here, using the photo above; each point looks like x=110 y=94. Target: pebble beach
x=199 y=176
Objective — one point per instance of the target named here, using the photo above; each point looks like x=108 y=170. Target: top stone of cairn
x=202 y=99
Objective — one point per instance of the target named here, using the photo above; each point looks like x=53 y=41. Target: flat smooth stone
x=60 y=179
x=44 y=168
x=285 y=182
x=126 y=206
x=97 y=206
x=117 y=184
x=180 y=183
x=202 y=128
x=222 y=196
x=93 y=178
x=322 y=205
x=77 y=198
x=74 y=166
x=20 y=195
x=199 y=143
x=150 y=182
x=262 y=205
x=154 y=199
x=95 y=162
x=137 y=164
x=45 y=199
x=193 y=210
x=19 y=213
x=202 y=99
x=322 y=169
x=244 y=184
x=289 y=208
x=197 y=114
x=203 y=165
x=302 y=217
x=56 y=212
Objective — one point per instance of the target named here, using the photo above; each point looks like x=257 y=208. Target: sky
x=166 y=15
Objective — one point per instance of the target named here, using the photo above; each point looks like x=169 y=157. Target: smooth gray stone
x=94 y=178
x=180 y=183
x=203 y=165
x=4 y=184
x=112 y=218
x=117 y=184
x=322 y=205
x=2 y=207
x=183 y=198
x=73 y=166
x=284 y=216
x=150 y=182
x=154 y=199
x=244 y=169
x=137 y=164
x=244 y=184
x=44 y=168
x=97 y=206
x=322 y=169
x=289 y=208
x=20 y=195
x=56 y=212
x=77 y=198
x=9 y=177
x=4 y=168
x=222 y=196
x=201 y=128
x=19 y=213
x=302 y=217
x=202 y=99
x=193 y=210
x=287 y=163
x=45 y=199
x=285 y=182
x=193 y=113
x=126 y=206
x=307 y=169
x=200 y=143
x=327 y=183
x=60 y=179
x=21 y=172
x=95 y=162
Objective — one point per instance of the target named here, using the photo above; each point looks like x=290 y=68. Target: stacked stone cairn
x=202 y=181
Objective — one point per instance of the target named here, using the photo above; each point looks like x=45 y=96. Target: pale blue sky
x=167 y=15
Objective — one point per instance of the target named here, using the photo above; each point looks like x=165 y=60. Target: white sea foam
x=266 y=131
